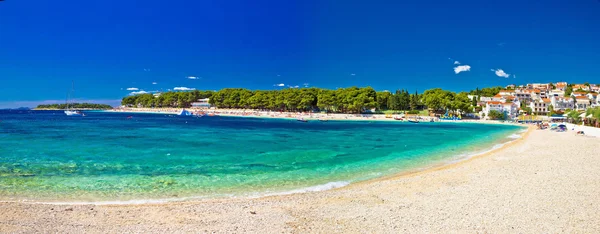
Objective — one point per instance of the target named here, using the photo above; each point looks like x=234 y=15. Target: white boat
x=68 y=111
x=73 y=113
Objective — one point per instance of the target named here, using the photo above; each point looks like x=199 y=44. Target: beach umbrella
x=582 y=115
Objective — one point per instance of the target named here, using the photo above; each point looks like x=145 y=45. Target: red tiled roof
x=494 y=102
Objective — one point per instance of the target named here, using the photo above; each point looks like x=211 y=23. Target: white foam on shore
x=317 y=188
x=466 y=156
x=515 y=136
x=116 y=202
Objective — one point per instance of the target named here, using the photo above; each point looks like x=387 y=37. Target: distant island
x=79 y=106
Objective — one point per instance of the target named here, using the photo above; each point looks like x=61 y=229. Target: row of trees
x=343 y=100
x=168 y=99
x=486 y=92
x=441 y=100
x=75 y=106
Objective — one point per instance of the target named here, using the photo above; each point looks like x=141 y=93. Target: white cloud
x=154 y=83
x=352 y=74
x=306 y=84
x=501 y=73
x=462 y=68
x=183 y=89
x=456 y=63
x=193 y=77
x=132 y=89
x=279 y=85
x=138 y=92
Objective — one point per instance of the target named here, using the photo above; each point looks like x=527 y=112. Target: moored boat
x=68 y=111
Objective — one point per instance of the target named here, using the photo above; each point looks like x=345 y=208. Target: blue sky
x=109 y=46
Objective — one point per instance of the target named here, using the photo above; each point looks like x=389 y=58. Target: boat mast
x=69 y=94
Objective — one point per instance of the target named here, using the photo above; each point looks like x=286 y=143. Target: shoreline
x=331 y=185
x=240 y=113
x=542 y=182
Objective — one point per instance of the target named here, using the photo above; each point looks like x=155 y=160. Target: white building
x=593 y=97
x=582 y=103
x=562 y=86
x=524 y=96
x=510 y=109
x=539 y=107
x=546 y=86
x=556 y=92
x=581 y=86
x=562 y=103
x=202 y=103
x=506 y=92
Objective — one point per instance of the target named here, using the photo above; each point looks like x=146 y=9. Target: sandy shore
x=299 y=115
x=547 y=182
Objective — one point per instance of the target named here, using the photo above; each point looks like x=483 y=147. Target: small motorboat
x=398 y=118
x=413 y=121
x=323 y=120
x=302 y=120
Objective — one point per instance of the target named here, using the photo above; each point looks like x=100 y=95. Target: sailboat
x=68 y=111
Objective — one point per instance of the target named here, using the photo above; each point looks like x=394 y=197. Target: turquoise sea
x=47 y=156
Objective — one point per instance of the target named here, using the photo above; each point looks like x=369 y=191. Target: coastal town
x=541 y=99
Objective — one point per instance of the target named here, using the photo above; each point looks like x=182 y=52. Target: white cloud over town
x=193 y=77
x=500 y=73
x=138 y=92
x=279 y=85
x=462 y=68
x=183 y=89
x=132 y=89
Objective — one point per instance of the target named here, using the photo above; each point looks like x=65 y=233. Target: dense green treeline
x=168 y=99
x=486 y=92
x=343 y=100
x=75 y=106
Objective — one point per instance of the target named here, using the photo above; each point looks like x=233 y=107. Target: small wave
x=317 y=188
x=118 y=202
x=515 y=136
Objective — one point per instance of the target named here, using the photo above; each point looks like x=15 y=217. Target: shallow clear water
x=45 y=155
